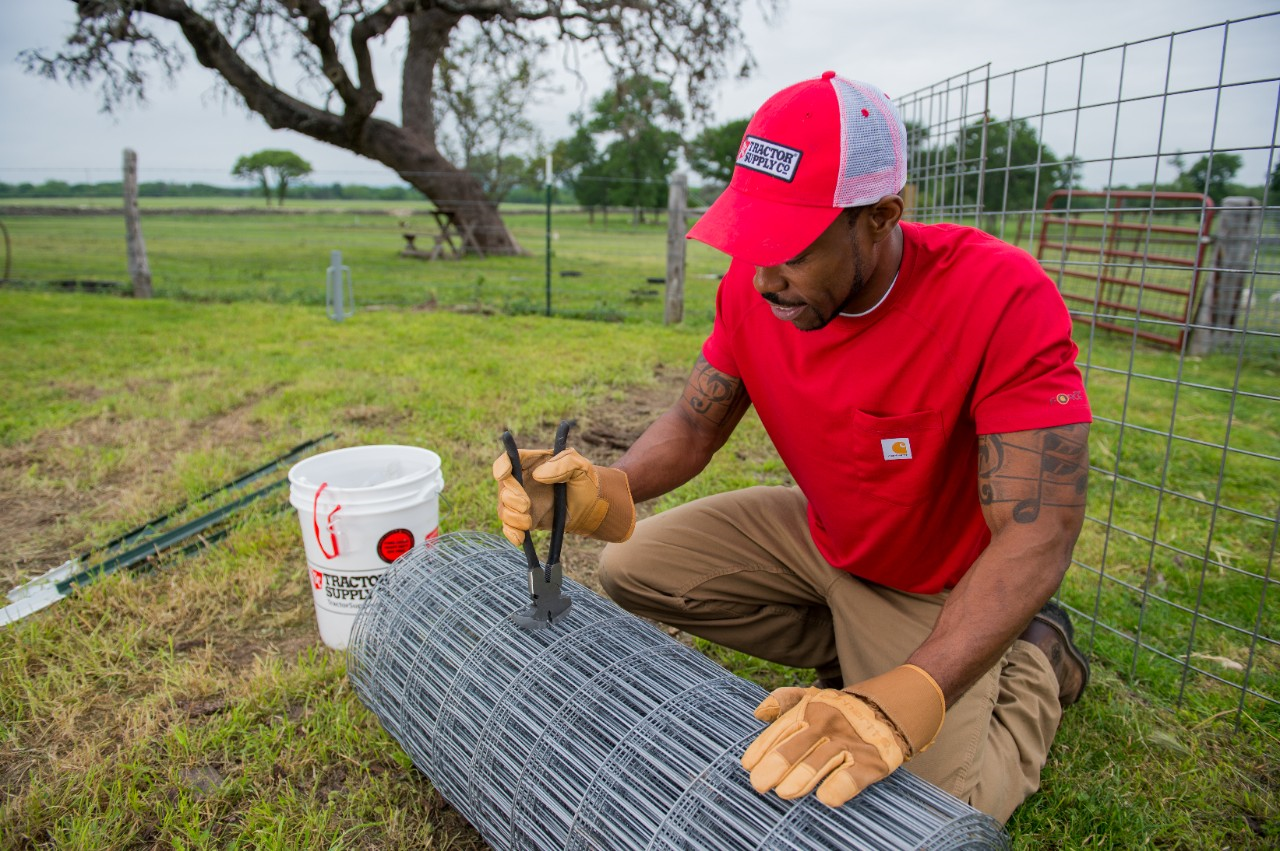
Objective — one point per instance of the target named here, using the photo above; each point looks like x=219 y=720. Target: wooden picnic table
x=452 y=240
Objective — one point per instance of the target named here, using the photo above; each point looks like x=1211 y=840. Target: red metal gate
x=1131 y=263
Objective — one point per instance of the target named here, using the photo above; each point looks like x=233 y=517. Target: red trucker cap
x=810 y=151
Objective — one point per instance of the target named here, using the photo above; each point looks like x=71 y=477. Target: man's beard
x=857 y=287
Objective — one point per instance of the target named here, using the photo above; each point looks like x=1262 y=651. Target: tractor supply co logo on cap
x=769 y=158
x=896 y=448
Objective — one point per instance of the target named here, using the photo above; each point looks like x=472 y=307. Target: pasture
x=193 y=705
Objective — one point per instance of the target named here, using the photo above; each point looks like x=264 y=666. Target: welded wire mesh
x=604 y=263
x=600 y=732
x=1146 y=179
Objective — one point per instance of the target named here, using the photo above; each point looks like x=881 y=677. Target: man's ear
x=883 y=216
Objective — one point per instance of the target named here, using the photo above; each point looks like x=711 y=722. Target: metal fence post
x=340 y=295
x=677 y=204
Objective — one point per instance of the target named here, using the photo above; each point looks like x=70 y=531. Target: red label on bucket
x=434 y=533
x=394 y=544
x=317 y=579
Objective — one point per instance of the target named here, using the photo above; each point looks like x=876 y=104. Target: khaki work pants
x=741 y=569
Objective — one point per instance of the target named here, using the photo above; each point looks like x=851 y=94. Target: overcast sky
x=185 y=133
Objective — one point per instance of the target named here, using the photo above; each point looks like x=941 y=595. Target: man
x=920 y=384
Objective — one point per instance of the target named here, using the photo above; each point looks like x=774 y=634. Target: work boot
x=829 y=677
x=1050 y=630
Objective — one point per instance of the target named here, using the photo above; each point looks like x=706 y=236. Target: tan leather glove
x=846 y=740
x=599 y=498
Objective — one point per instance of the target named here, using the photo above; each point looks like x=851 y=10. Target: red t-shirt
x=877 y=416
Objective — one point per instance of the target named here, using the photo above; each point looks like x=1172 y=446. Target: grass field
x=194 y=707
x=600 y=269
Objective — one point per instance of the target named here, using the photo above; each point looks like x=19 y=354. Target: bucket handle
x=315 y=521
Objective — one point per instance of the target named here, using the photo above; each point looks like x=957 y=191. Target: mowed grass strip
x=194 y=706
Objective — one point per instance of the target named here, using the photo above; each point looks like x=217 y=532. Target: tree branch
x=319 y=31
x=373 y=25
x=213 y=51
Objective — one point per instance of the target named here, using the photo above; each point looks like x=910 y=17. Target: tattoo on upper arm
x=713 y=394
x=1034 y=469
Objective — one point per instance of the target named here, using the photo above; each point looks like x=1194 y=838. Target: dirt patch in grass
x=106 y=471
x=65 y=485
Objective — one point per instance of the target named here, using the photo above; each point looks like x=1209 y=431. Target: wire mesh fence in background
x=606 y=264
x=1143 y=177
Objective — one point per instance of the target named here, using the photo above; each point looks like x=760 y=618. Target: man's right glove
x=844 y=740
x=599 y=498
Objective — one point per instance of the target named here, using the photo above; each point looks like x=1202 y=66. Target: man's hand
x=846 y=740
x=599 y=500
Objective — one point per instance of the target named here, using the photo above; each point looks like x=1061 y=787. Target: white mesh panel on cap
x=873 y=156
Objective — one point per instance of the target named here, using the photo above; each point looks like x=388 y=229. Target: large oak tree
x=119 y=43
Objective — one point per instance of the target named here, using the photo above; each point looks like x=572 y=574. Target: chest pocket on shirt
x=898 y=458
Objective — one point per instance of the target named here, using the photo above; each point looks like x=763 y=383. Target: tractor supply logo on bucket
x=343 y=589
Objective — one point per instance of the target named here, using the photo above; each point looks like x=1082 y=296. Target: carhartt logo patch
x=769 y=158
x=896 y=448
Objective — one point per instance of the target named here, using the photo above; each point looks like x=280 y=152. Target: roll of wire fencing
x=599 y=732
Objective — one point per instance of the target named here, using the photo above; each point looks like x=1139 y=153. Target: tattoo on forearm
x=1034 y=469
x=711 y=393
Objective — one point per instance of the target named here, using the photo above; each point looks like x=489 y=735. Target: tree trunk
x=451 y=189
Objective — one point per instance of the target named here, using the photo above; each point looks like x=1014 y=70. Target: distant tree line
x=155 y=189
x=530 y=192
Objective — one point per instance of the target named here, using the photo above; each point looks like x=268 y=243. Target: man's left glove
x=599 y=498
x=846 y=740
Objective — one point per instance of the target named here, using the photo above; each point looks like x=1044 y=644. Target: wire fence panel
x=1144 y=178
x=607 y=264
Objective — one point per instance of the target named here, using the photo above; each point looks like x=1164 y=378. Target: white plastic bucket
x=360 y=509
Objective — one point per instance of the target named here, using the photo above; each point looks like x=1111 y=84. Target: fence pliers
x=546 y=601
